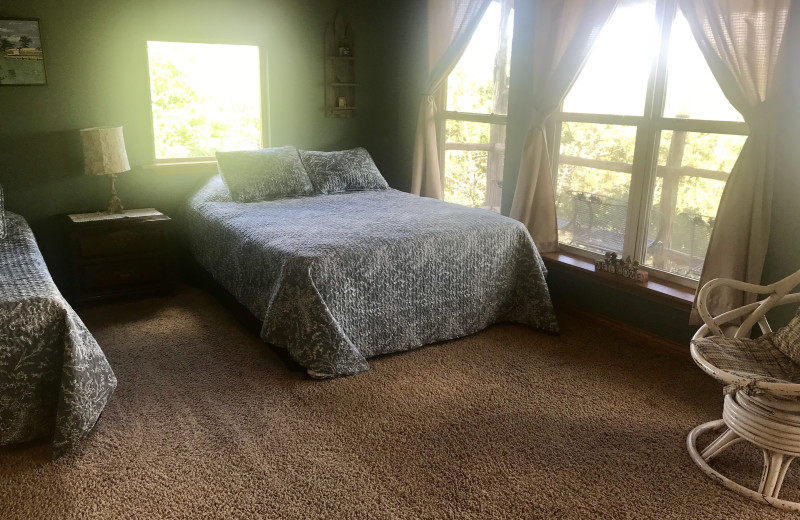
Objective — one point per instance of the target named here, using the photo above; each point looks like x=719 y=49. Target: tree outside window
x=205 y=97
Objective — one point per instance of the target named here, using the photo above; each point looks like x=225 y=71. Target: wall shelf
x=340 y=69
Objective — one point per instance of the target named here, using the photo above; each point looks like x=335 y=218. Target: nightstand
x=117 y=255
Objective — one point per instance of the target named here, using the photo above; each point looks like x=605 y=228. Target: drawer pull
x=124 y=275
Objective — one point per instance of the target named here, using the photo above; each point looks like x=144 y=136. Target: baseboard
x=625 y=330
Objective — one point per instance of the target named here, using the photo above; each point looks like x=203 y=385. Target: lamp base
x=114 y=203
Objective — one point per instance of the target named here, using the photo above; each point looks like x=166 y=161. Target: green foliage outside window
x=465 y=171
x=615 y=143
x=191 y=118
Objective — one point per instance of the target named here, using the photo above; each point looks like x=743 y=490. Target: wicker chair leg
x=775 y=467
x=772 y=478
x=727 y=439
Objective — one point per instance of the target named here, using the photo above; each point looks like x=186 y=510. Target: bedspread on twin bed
x=54 y=379
x=340 y=278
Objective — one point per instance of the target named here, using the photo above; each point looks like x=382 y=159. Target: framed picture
x=21 y=57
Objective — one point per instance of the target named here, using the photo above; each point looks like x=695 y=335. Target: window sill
x=664 y=292
x=183 y=168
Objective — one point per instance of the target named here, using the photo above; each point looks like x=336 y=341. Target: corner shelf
x=340 y=69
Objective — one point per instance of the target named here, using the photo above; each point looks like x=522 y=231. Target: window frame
x=445 y=115
x=474 y=117
x=644 y=167
x=206 y=164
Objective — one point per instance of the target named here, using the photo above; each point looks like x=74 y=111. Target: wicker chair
x=762 y=385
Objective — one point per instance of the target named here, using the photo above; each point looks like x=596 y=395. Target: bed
x=340 y=277
x=54 y=379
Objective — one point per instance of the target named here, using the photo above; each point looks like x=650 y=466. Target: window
x=475 y=113
x=205 y=97
x=647 y=140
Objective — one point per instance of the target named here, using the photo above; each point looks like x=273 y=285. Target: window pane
x=479 y=83
x=598 y=141
x=205 y=98
x=473 y=168
x=692 y=91
x=594 y=175
x=614 y=79
x=465 y=181
x=467 y=131
x=692 y=171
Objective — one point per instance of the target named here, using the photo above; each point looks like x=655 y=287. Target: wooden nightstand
x=119 y=255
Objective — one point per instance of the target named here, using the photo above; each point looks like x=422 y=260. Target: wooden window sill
x=183 y=167
x=659 y=291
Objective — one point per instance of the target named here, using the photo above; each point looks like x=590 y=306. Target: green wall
x=96 y=62
x=392 y=68
x=783 y=255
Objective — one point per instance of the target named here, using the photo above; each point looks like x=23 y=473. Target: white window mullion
x=555 y=152
x=647 y=140
x=702 y=126
x=600 y=119
x=441 y=129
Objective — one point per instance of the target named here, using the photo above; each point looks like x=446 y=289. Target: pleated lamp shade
x=104 y=151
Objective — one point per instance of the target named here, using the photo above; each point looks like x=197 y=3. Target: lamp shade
x=104 y=151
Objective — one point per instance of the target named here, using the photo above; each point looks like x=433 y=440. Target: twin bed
x=352 y=269
x=54 y=379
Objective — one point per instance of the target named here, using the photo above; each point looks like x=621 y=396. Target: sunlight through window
x=477 y=104
x=644 y=179
x=205 y=97
x=614 y=79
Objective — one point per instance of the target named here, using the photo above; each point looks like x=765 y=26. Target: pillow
x=3 y=227
x=265 y=174
x=347 y=170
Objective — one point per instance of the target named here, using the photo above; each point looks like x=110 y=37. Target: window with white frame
x=474 y=121
x=646 y=141
x=205 y=97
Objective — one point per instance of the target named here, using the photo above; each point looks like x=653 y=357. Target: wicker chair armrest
x=778 y=295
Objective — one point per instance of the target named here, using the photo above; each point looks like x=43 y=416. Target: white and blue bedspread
x=54 y=379
x=339 y=278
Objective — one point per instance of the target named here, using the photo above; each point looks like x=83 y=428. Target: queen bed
x=343 y=268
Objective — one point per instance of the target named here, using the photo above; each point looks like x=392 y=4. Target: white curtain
x=451 y=24
x=564 y=32
x=743 y=42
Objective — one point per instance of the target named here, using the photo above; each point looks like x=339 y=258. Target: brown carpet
x=207 y=422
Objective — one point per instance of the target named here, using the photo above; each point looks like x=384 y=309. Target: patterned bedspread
x=340 y=278
x=54 y=379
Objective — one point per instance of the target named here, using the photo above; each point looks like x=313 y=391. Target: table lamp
x=104 y=154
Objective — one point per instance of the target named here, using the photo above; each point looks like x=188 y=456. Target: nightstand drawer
x=121 y=242
x=110 y=275
x=120 y=255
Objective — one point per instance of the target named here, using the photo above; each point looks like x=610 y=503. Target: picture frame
x=21 y=54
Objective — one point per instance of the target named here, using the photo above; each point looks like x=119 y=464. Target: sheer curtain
x=451 y=24
x=564 y=32
x=743 y=42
